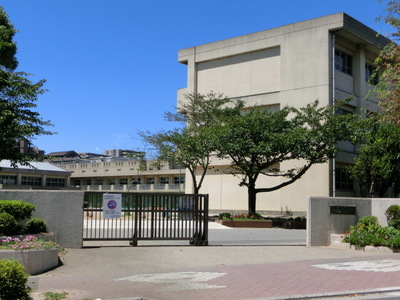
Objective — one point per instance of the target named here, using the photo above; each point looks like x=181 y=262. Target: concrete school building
x=36 y=175
x=119 y=170
x=326 y=58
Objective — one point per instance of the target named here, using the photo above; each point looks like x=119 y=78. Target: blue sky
x=111 y=65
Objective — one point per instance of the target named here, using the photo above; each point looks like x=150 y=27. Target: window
x=369 y=71
x=150 y=180
x=8 y=179
x=77 y=182
x=164 y=180
x=343 y=62
x=28 y=180
x=343 y=180
x=180 y=179
x=136 y=180
x=123 y=181
x=55 y=182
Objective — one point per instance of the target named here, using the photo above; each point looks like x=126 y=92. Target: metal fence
x=148 y=216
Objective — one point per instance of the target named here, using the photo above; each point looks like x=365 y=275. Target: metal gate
x=148 y=216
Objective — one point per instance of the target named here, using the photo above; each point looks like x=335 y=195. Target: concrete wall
x=62 y=211
x=321 y=223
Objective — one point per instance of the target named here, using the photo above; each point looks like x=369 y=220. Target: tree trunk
x=251 y=191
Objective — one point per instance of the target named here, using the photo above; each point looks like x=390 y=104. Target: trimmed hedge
x=8 y=225
x=13 y=279
x=18 y=209
x=35 y=225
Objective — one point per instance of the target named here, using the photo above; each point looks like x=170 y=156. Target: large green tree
x=18 y=120
x=388 y=67
x=377 y=167
x=191 y=144
x=259 y=141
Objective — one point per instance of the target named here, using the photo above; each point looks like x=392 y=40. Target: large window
x=164 y=180
x=150 y=180
x=30 y=180
x=343 y=62
x=8 y=179
x=180 y=179
x=123 y=181
x=343 y=180
x=55 y=181
x=369 y=71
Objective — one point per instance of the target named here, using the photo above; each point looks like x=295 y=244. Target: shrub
x=18 y=209
x=13 y=279
x=8 y=224
x=368 y=220
x=393 y=216
x=224 y=215
x=35 y=225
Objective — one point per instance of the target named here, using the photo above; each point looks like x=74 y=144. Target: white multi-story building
x=326 y=58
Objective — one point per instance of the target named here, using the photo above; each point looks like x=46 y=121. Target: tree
x=8 y=48
x=377 y=167
x=17 y=99
x=388 y=67
x=259 y=141
x=192 y=144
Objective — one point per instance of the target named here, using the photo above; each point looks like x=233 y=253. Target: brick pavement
x=302 y=276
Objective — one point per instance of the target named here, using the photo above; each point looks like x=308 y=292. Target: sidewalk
x=219 y=272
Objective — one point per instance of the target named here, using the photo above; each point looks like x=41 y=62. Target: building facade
x=36 y=175
x=327 y=58
x=120 y=173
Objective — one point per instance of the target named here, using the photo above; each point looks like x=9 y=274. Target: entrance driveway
x=239 y=264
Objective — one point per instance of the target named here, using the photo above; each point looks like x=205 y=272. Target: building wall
x=122 y=174
x=62 y=211
x=321 y=223
x=290 y=65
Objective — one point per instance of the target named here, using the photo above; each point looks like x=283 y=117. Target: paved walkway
x=220 y=271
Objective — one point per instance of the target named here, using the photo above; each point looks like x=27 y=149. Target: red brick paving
x=240 y=282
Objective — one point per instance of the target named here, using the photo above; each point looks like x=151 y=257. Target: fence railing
x=134 y=187
x=149 y=216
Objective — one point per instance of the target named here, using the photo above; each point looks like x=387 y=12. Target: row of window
x=124 y=181
x=344 y=63
x=32 y=180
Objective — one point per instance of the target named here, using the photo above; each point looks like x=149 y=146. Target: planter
x=291 y=224
x=34 y=261
x=246 y=223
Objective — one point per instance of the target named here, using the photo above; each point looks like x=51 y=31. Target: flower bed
x=246 y=223
x=257 y=221
x=37 y=256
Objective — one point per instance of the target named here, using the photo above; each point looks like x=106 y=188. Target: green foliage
x=35 y=225
x=17 y=99
x=368 y=220
x=8 y=224
x=191 y=144
x=55 y=296
x=13 y=279
x=259 y=141
x=18 y=209
x=225 y=215
x=388 y=67
x=8 y=48
x=393 y=212
x=377 y=167
x=393 y=216
x=29 y=243
x=367 y=232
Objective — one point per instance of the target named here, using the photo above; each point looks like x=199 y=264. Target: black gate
x=148 y=216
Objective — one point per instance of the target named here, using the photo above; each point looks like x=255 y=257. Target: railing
x=176 y=188
x=149 y=216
